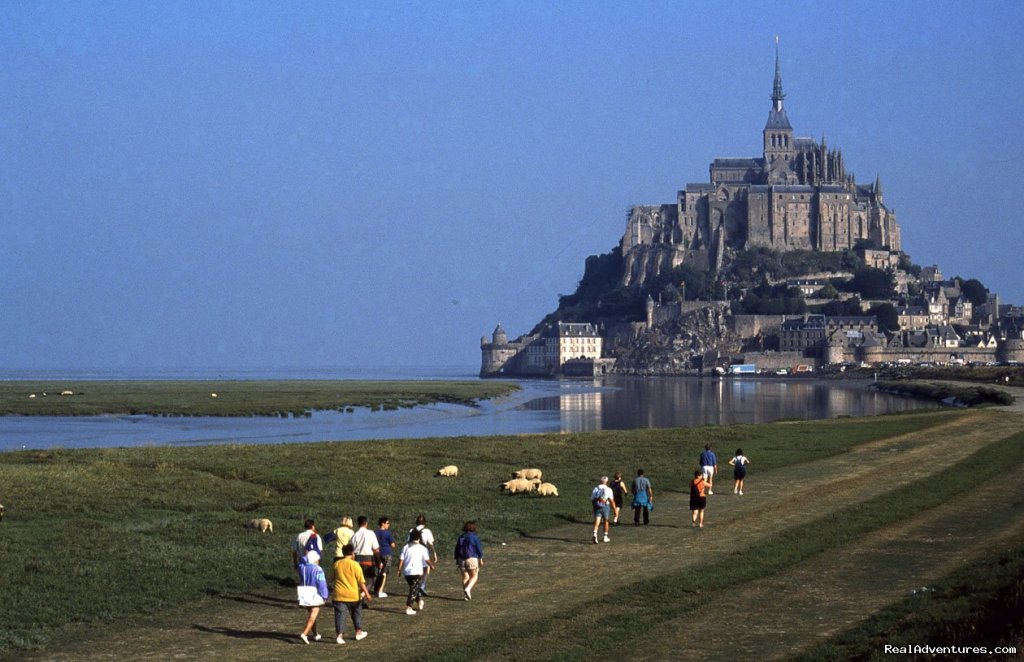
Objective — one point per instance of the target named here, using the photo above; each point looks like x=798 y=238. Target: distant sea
x=421 y=372
x=542 y=405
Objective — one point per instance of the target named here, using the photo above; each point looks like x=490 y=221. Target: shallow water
x=611 y=403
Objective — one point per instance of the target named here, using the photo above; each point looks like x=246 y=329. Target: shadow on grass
x=623 y=526
x=256 y=599
x=584 y=540
x=248 y=634
x=397 y=610
x=287 y=582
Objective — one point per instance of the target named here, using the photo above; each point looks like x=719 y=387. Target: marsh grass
x=235 y=398
x=106 y=538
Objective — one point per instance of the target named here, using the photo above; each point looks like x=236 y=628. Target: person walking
x=349 y=593
x=739 y=472
x=698 y=499
x=340 y=537
x=619 y=490
x=427 y=540
x=414 y=565
x=312 y=592
x=709 y=465
x=643 y=498
x=367 y=549
x=469 y=557
x=601 y=497
x=387 y=547
x=307 y=540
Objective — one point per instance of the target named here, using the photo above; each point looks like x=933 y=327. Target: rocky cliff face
x=668 y=348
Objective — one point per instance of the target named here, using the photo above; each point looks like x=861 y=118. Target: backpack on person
x=464 y=548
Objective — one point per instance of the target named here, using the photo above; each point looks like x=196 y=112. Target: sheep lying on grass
x=528 y=474
x=517 y=485
x=451 y=471
x=547 y=489
x=262 y=524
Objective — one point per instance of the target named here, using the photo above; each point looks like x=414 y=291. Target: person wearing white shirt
x=602 y=497
x=427 y=539
x=415 y=564
x=367 y=549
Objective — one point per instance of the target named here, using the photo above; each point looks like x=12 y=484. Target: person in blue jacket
x=469 y=557
x=709 y=466
x=311 y=574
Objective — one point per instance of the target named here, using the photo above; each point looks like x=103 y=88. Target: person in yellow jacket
x=349 y=587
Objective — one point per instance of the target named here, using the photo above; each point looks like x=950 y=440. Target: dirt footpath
x=547 y=574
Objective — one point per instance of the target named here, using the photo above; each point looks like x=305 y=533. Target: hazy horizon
x=263 y=186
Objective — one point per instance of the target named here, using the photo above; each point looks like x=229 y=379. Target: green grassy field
x=99 y=540
x=234 y=398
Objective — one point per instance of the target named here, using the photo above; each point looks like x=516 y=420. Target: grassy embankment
x=981 y=604
x=655 y=603
x=97 y=540
x=962 y=394
x=234 y=398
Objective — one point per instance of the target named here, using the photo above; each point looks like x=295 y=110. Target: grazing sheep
x=547 y=489
x=67 y=392
x=451 y=471
x=1 y=511
x=528 y=474
x=213 y=395
x=517 y=485
x=263 y=525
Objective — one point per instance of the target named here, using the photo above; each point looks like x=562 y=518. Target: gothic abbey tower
x=797 y=195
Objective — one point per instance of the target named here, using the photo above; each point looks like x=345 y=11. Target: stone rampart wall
x=776 y=360
x=748 y=326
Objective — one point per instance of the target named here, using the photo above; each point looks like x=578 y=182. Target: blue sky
x=271 y=185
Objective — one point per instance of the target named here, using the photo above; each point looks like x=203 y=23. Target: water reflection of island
x=617 y=403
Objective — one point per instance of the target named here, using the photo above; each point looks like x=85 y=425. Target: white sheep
x=547 y=489
x=261 y=524
x=451 y=471
x=67 y=392
x=517 y=485
x=1 y=511
x=529 y=474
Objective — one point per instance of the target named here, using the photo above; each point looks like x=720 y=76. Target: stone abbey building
x=796 y=195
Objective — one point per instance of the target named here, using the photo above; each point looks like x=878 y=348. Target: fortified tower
x=496 y=353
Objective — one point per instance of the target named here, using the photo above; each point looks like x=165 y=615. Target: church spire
x=777 y=95
x=779 y=145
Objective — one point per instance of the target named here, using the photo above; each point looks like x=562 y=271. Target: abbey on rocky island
x=797 y=195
